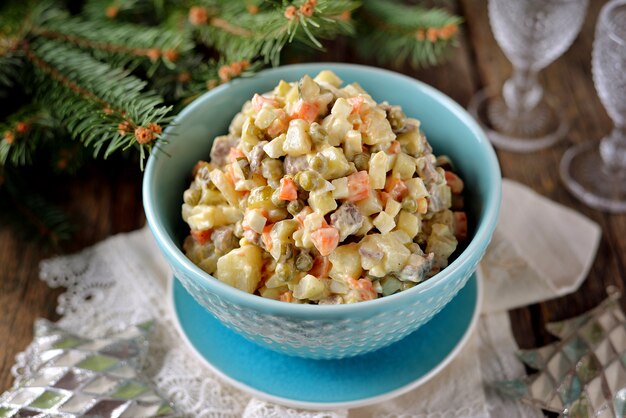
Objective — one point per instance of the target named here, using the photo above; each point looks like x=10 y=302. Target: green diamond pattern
x=98 y=377
x=69 y=342
x=98 y=363
x=584 y=374
x=130 y=390
x=47 y=400
x=6 y=412
x=588 y=368
x=575 y=349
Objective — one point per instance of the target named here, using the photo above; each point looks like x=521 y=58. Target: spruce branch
x=398 y=32
x=264 y=31
x=121 y=44
x=104 y=107
x=23 y=133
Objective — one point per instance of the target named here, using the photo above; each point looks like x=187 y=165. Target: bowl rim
x=481 y=236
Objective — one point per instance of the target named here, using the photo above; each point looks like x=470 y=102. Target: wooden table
x=106 y=199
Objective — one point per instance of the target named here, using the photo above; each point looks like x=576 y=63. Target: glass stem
x=613 y=150
x=522 y=92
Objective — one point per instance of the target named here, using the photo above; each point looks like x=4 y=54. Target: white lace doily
x=123 y=280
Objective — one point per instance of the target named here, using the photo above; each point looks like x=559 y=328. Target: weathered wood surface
x=107 y=199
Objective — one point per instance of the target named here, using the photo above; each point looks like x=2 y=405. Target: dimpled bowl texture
x=327 y=331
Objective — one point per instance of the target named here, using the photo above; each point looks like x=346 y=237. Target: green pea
x=304 y=262
x=295 y=206
x=279 y=203
x=409 y=204
x=260 y=197
x=362 y=162
x=286 y=252
x=396 y=117
x=319 y=163
x=317 y=133
x=284 y=271
x=309 y=180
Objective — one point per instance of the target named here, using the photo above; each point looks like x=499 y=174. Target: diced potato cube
x=392 y=207
x=309 y=89
x=329 y=77
x=249 y=135
x=365 y=228
x=442 y=243
x=400 y=236
x=370 y=205
x=322 y=202
x=254 y=220
x=265 y=117
x=378 y=128
x=272 y=293
x=241 y=268
x=341 y=188
x=282 y=88
x=274 y=148
x=352 y=143
x=203 y=217
x=378 y=170
x=408 y=223
x=337 y=127
x=416 y=187
x=384 y=222
x=293 y=95
x=219 y=180
x=339 y=286
x=337 y=165
x=298 y=142
x=341 y=109
x=312 y=288
x=396 y=255
x=371 y=254
x=411 y=142
x=346 y=262
x=354 y=89
x=404 y=167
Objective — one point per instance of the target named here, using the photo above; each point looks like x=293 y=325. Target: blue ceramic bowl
x=330 y=331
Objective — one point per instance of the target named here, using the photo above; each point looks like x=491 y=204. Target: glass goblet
x=532 y=34
x=597 y=174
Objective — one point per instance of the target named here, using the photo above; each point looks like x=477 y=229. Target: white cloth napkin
x=540 y=250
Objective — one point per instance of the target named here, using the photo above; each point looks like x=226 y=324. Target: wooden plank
x=569 y=77
x=102 y=201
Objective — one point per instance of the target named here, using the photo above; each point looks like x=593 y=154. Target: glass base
x=540 y=128
x=587 y=178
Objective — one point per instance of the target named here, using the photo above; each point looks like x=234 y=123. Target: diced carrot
x=455 y=182
x=288 y=189
x=460 y=225
x=394 y=147
x=286 y=296
x=364 y=286
x=321 y=267
x=266 y=238
x=234 y=153
x=358 y=186
x=356 y=103
x=302 y=214
x=258 y=101
x=383 y=196
x=201 y=237
x=305 y=110
x=325 y=240
x=422 y=205
x=396 y=188
x=279 y=125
